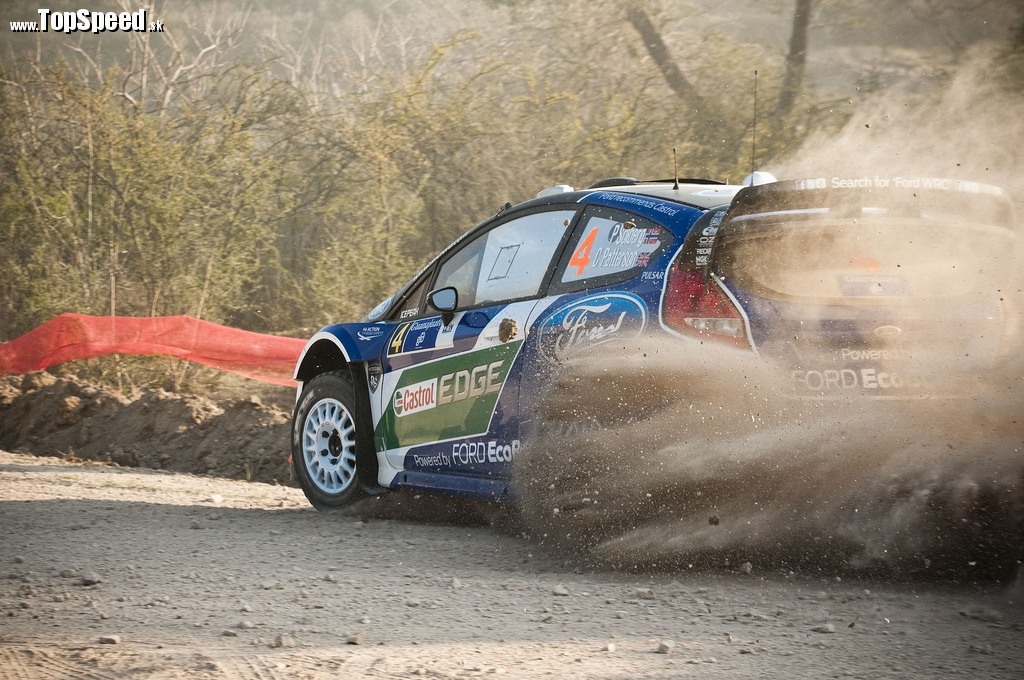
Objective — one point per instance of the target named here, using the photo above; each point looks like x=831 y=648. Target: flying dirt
x=702 y=458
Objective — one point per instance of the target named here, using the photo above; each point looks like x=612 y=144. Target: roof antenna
x=675 y=170
x=753 y=135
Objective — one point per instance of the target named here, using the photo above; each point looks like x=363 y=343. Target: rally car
x=839 y=277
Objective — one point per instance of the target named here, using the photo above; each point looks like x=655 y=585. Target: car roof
x=699 y=193
x=703 y=196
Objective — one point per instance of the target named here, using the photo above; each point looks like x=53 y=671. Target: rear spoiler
x=764 y=206
x=853 y=197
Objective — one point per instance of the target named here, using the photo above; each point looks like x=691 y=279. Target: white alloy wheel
x=325 y=436
x=329 y=446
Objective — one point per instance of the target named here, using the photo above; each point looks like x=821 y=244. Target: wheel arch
x=325 y=353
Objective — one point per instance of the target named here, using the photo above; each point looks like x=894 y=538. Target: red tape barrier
x=267 y=358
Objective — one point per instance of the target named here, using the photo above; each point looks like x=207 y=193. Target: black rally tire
x=324 y=435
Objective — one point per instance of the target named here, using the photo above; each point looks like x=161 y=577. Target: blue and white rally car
x=837 y=277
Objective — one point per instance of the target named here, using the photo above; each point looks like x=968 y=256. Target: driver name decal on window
x=609 y=247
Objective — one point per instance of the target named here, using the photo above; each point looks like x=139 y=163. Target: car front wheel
x=324 y=442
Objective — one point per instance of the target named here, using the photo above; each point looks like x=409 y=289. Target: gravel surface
x=110 y=572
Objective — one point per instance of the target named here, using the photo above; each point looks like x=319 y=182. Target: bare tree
x=660 y=54
x=796 y=60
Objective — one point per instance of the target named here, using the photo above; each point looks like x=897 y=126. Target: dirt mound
x=235 y=438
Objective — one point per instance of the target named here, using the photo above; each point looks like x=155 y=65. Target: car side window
x=413 y=302
x=609 y=246
x=507 y=262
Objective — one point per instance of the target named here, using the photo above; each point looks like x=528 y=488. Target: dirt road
x=110 y=572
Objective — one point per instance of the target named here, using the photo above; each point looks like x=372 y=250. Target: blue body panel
x=360 y=341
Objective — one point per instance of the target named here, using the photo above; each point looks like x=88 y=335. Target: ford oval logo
x=888 y=331
x=590 y=321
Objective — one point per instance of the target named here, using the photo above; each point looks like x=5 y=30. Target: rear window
x=864 y=258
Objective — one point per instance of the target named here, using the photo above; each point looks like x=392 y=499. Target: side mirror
x=444 y=300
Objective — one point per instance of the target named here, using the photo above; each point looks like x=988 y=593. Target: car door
x=449 y=388
x=606 y=284
x=603 y=294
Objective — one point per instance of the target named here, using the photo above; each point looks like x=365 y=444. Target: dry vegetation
x=277 y=170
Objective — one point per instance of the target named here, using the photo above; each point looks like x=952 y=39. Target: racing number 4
x=581 y=256
x=399 y=339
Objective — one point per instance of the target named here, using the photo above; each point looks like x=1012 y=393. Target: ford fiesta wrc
x=841 y=280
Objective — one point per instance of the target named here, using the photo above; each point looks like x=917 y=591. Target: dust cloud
x=694 y=455
x=699 y=457
x=970 y=127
